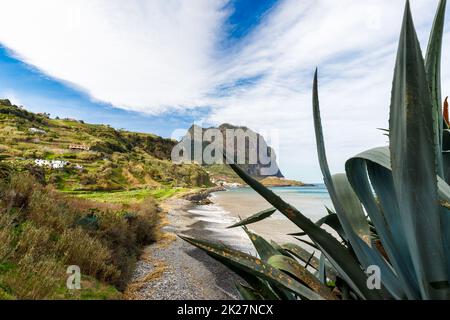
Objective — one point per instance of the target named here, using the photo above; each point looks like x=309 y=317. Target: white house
x=54 y=164
x=35 y=130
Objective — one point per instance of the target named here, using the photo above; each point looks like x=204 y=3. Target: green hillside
x=100 y=158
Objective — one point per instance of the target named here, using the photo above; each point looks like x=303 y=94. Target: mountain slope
x=218 y=172
x=93 y=157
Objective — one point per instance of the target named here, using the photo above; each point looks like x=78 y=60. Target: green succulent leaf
x=301 y=254
x=255 y=218
x=383 y=212
x=262 y=287
x=351 y=269
x=265 y=251
x=263 y=247
x=254 y=266
x=330 y=220
x=433 y=70
x=322 y=269
x=352 y=210
x=248 y=294
x=414 y=173
x=292 y=267
x=339 y=199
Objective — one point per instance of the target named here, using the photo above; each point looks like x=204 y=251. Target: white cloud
x=155 y=55
x=354 y=44
x=142 y=55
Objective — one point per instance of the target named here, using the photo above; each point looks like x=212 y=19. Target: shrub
x=41 y=233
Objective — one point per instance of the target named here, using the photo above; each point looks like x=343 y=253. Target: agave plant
x=392 y=206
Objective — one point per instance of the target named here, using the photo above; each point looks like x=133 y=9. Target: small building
x=53 y=164
x=36 y=130
x=79 y=147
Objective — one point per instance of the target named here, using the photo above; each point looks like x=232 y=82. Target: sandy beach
x=173 y=269
x=241 y=203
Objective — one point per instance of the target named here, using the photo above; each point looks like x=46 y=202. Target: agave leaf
x=350 y=268
x=340 y=199
x=248 y=294
x=355 y=220
x=338 y=255
x=446 y=154
x=433 y=70
x=413 y=157
x=265 y=251
x=445 y=217
x=262 y=287
x=263 y=247
x=322 y=270
x=382 y=157
x=301 y=254
x=357 y=229
x=350 y=212
x=446 y=140
x=292 y=267
x=330 y=220
x=254 y=266
x=386 y=221
x=309 y=243
x=281 y=250
x=255 y=218
x=446 y=160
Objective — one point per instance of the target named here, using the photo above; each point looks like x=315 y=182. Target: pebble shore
x=173 y=269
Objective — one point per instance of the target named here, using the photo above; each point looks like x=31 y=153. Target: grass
x=128 y=197
x=118 y=160
x=91 y=289
x=42 y=232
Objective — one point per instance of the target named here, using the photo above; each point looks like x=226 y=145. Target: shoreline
x=172 y=269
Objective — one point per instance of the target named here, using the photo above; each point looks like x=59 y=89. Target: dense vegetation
x=391 y=224
x=42 y=232
x=113 y=160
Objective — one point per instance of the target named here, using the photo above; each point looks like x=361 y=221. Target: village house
x=39 y=131
x=54 y=164
x=79 y=147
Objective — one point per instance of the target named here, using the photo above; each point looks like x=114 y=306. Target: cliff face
x=260 y=159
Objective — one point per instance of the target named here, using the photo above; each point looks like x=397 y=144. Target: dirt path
x=172 y=269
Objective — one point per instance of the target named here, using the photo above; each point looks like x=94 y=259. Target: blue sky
x=28 y=86
x=157 y=66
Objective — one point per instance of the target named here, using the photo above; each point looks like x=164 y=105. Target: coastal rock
x=195 y=139
x=201 y=197
x=281 y=182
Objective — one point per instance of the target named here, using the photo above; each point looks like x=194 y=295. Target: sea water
x=234 y=205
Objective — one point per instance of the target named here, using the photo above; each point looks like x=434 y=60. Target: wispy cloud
x=142 y=55
x=354 y=44
x=159 y=56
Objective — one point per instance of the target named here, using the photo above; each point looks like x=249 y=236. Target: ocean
x=233 y=205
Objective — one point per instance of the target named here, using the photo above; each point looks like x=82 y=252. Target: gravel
x=175 y=270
